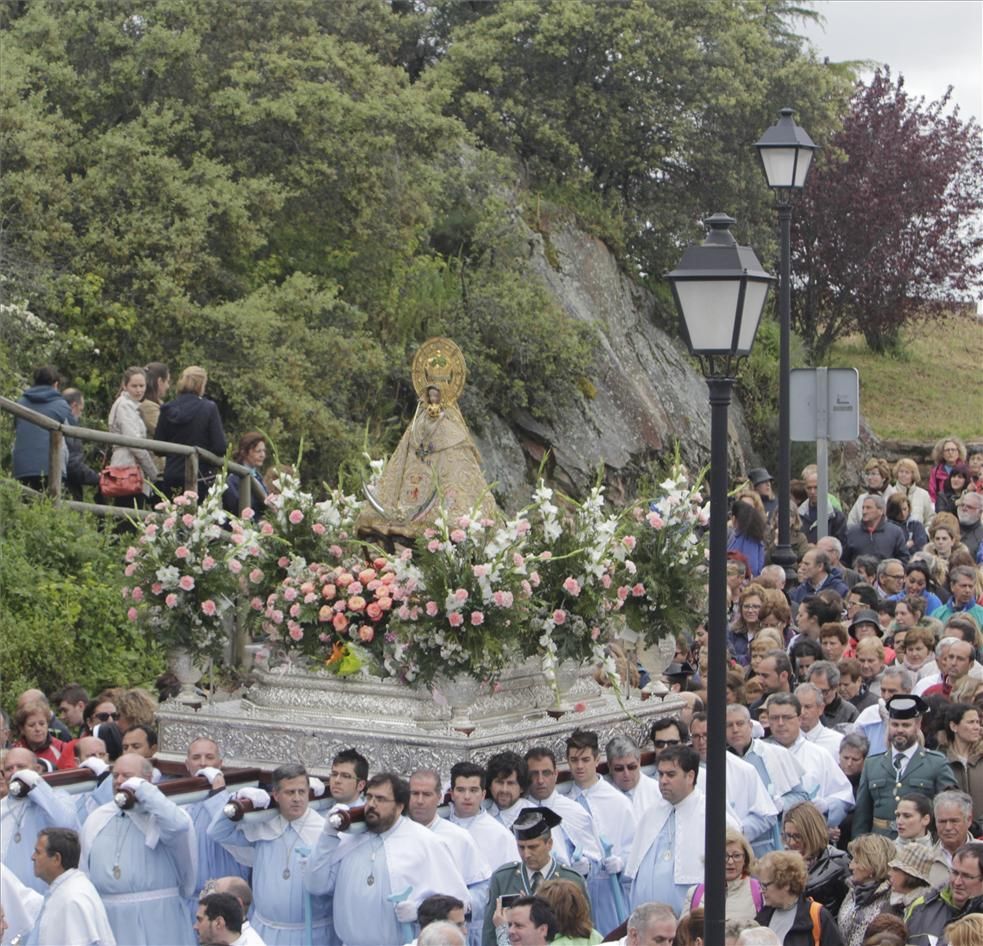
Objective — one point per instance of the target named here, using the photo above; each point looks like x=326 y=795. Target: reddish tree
x=888 y=228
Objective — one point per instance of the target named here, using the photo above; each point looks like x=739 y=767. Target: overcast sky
x=933 y=44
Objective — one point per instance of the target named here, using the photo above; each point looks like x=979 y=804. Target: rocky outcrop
x=648 y=395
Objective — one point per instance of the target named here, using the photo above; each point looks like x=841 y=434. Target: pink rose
x=326 y=613
x=605 y=580
x=344 y=580
x=518 y=560
x=256 y=576
x=276 y=616
x=340 y=622
x=290 y=594
x=150 y=531
x=208 y=606
x=373 y=611
x=458 y=536
x=235 y=566
x=571 y=586
x=522 y=527
x=132 y=614
x=295 y=609
x=356 y=603
x=328 y=592
x=433 y=546
x=366 y=575
x=428 y=533
x=131 y=553
x=526 y=589
x=454 y=618
x=355 y=588
x=480 y=571
x=169 y=522
x=255 y=551
x=336 y=551
x=477 y=618
x=283 y=561
x=318 y=528
x=503 y=599
x=431 y=609
x=637 y=590
x=188 y=520
x=266 y=527
x=461 y=595
x=629 y=542
x=403 y=613
x=385 y=603
x=535 y=579
x=655 y=520
x=248 y=513
x=463 y=522
x=256 y=604
x=545 y=556
x=296 y=632
x=156 y=587
x=130 y=569
x=171 y=600
x=623 y=592
x=296 y=516
x=310 y=598
x=181 y=552
x=207 y=563
x=559 y=616
x=366 y=633
x=138 y=593
x=186 y=583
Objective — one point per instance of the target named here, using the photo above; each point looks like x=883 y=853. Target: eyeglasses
x=665 y=743
x=733 y=856
x=962 y=875
x=628 y=767
x=105 y=717
x=792 y=838
x=765 y=884
x=344 y=775
x=895 y=575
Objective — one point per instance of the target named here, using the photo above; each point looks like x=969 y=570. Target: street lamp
x=720 y=290
x=786 y=152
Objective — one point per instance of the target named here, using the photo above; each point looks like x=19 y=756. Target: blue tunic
x=655 y=878
x=144 y=904
x=23 y=818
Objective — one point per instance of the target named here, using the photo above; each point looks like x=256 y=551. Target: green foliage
x=62 y=613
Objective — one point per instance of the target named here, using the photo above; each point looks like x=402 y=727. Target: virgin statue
x=436 y=467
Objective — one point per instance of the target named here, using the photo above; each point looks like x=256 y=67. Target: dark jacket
x=972 y=538
x=257 y=495
x=31 y=441
x=191 y=420
x=839 y=711
x=827 y=879
x=801 y=932
x=835 y=522
x=886 y=540
x=805 y=590
x=928 y=916
x=79 y=473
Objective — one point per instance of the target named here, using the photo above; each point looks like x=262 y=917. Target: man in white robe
x=624 y=760
x=278 y=847
x=574 y=841
x=779 y=772
x=425 y=799
x=666 y=858
x=379 y=878
x=828 y=787
x=813 y=703
x=142 y=861
x=21 y=818
x=238 y=888
x=507 y=778
x=494 y=840
x=73 y=913
x=20 y=905
x=614 y=827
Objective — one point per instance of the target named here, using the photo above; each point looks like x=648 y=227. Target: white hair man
x=813 y=704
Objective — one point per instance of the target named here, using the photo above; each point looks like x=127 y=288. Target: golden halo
x=439 y=363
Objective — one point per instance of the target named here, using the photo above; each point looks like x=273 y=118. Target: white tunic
x=496 y=842
x=72 y=915
x=20 y=904
x=575 y=833
x=20 y=821
x=825 y=738
x=824 y=779
x=645 y=794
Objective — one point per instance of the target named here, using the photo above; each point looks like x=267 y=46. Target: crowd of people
x=854 y=773
x=142 y=412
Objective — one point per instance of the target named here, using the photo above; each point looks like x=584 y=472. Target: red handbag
x=121 y=481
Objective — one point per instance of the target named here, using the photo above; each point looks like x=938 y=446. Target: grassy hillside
x=933 y=387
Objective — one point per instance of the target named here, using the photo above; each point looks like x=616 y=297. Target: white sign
x=825 y=404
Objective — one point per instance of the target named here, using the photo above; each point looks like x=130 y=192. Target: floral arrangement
x=188 y=566
x=471 y=599
x=661 y=572
x=341 y=610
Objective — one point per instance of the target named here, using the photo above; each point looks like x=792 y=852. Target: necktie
x=537 y=879
x=899 y=763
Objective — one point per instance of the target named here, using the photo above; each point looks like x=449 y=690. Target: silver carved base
x=289 y=715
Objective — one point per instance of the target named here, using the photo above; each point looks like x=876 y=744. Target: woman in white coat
x=125 y=419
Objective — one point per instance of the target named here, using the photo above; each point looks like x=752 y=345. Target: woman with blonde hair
x=945 y=537
x=788 y=911
x=966 y=931
x=804 y=831
x=907 y=480
x=750 y=603
x=193 y=420
x=870 y=889
x=744 y=896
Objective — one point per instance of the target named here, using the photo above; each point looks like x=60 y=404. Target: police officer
x=905 y=767
x=532 y=830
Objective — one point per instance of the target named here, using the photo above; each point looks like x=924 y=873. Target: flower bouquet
x=186 y=568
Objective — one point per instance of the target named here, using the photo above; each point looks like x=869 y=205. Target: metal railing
x=58 y=431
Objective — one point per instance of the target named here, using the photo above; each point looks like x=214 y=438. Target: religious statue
x=436 y=466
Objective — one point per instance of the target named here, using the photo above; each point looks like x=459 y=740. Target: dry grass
x=933 y=387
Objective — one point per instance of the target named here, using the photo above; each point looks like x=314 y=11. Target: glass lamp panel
x=709 y=308
x=780 y=166
x=754 y=302
x=802 y=168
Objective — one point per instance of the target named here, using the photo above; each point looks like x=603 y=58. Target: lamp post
x=720 y=290
x=786 y=152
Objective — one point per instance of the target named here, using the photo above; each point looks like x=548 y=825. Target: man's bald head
x=89 y=746
x=237 y=887
x=32 y=696
x=16 y=759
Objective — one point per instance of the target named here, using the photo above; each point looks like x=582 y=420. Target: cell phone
x=508 y=899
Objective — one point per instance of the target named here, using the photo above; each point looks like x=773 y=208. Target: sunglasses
x=106 y=717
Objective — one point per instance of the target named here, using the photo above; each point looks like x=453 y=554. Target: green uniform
x=880 y=788
x=514 y=878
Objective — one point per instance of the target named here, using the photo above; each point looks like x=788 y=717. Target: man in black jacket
x=79 y=473
x=929 y=915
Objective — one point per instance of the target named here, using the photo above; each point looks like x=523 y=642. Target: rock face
x=649 y=396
